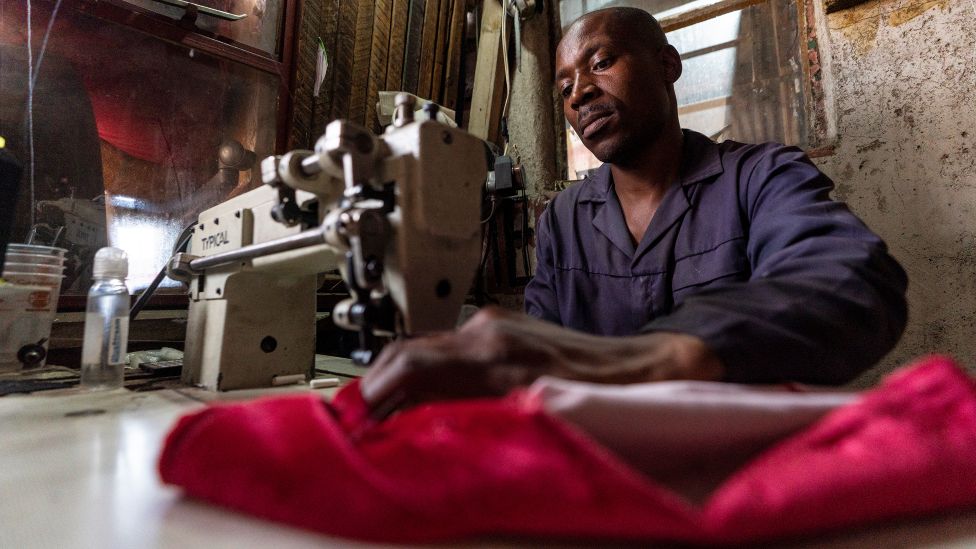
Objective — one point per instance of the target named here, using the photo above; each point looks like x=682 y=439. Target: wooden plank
x=360 y=62
x=411 y=55
x=440 y=50
x=697 y=15
x=300 y=132
x=343 y=59
x=428 y=43
x=382 y=14
x=486 y=101
x=452 y=73
x=398 y=39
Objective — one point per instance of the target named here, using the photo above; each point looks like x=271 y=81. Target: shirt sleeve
x=824 y=300
x=540 y=293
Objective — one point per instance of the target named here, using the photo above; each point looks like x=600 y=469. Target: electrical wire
x=508 y=83
x=47 y=34
x=490 y=213
x=525 y=234
x=30 y=111
x=143 y=298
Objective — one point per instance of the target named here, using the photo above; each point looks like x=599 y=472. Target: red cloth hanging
x=503 y=466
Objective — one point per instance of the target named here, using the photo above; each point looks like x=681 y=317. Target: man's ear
x=671 y=62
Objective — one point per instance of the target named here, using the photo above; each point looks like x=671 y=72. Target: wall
x=903 y=74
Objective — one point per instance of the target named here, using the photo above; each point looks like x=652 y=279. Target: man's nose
x=583 y=92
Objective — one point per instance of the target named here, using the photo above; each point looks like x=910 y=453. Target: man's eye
x=566 y=91
x=601 y=64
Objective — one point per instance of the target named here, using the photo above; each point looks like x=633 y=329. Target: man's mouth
x=594 y=124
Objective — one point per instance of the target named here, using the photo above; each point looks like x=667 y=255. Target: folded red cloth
x=503 y=466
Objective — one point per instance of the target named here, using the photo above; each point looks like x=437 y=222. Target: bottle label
x=118 y=335
x=115 y=332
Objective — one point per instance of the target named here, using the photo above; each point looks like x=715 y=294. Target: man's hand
x=498 y=350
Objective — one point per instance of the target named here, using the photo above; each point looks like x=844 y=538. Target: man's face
x=616 y=92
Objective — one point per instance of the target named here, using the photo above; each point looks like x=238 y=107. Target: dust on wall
x=902 y=74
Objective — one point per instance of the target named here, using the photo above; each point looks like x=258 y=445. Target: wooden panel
x=382 y=14
x=330 y=37
x=488 y=76
x=361 y=61
x=398 y=38
x=344 y=57
x=440 y=50
x=413 y=46
x=300 y=133
x=428 y=43
x=452 y=73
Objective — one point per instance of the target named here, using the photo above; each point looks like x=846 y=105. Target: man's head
x=615 y=73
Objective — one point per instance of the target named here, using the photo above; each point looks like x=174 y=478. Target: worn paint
x=906 y=14
x=904 y=156
x=858 y=25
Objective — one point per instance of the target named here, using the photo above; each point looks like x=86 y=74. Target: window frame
x=818 y=143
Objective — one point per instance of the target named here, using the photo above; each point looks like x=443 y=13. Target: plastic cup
x=35 y=249
x=52 y=281
x=38 y=268
x=26 y=315
x=28 y=302
x=34 y=259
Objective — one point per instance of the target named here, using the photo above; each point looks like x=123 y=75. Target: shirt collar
x=700 y=160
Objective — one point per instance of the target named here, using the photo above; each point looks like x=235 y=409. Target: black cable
x=525 y=235
x=481 y=293
x=143 y=298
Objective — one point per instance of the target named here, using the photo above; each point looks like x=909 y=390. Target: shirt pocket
x=723 y=263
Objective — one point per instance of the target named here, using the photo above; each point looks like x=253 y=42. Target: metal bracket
x=192 y=9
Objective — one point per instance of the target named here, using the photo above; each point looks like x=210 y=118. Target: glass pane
x=122 y=132
x=260 y=29
x=742 y=72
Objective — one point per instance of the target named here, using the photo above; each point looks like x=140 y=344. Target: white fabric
x=686 y=431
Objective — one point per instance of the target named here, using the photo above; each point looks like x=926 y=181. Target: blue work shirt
x=746 y=251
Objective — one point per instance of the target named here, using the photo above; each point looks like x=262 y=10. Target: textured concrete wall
x=530 y=122
x=531 y=126
x=903 y=77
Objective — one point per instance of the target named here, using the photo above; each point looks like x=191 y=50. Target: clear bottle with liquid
x=106 y=322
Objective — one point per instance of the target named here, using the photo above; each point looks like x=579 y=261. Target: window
x=743 y=69
x=117 y=111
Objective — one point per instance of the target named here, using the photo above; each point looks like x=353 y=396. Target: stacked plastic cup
x=28 y=302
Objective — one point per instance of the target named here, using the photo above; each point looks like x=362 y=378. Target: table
x=78 y=470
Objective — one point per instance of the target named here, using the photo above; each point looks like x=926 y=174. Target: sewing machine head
x=398 y=215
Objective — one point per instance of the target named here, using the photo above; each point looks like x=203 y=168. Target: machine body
x=397 y=215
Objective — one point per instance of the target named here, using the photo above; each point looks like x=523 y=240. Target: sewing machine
x=398 y=215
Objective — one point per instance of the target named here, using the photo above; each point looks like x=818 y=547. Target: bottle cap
x=110 y=263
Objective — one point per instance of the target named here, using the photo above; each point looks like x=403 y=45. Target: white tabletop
x=78 y=470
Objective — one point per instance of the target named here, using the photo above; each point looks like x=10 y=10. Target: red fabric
x=461 y=469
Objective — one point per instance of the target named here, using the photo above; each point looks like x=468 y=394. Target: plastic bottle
x=106 y=322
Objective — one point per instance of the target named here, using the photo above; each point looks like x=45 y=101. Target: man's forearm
x=635 y=359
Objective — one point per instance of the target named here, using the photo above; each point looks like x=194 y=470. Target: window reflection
x=126 y=132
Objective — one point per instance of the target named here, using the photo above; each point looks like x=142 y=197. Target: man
x=679 y=259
